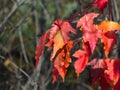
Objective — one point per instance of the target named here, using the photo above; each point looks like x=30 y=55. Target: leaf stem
x=110 y=11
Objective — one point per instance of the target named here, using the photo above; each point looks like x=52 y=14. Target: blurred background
x=21 y=23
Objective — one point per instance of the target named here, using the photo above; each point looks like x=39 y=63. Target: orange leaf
x=59 y=35
x=106 y=26
x=62 y=60
x=108 y=35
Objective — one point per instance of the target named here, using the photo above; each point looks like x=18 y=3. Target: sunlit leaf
x=90 y=33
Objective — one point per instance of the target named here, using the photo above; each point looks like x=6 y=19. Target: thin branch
x=14 y=8
x=15 y=28
x=45 y=10
x=21 y=70
x=116 y=15
x=23 y=47
x=3 y=48
x=16 y=67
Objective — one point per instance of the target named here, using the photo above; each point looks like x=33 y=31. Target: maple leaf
x=108 y=35
x=62 y=60
x=98 y=67
x=101 y=4
x=112 y=72
x=105 y=71
x=106 y=26
x=59 y=35
x=82 y=60
x=109 y=39
x=88 y=27
x=86 y=22
x=40 y=47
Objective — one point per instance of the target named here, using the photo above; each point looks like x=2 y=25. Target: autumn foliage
x=104 y=70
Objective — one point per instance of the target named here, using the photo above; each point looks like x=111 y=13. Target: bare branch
x=23 y=47
x=14 y=8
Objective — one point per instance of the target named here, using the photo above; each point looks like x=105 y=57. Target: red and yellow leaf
x=106 y=26
x=108 y=35
x=59 y=35
x=62 y=60
x=109 y=39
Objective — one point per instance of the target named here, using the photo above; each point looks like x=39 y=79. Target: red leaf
x=40 y=47
x=108 y=35
x=103 y=83
x=88 y=27
x=112 y=71
x=82 y=60
x=101 y=4
x=109 y=39
x=55 y=74
x=117 y=86
x=86 y=22
x=97 y=69
x=59 y=35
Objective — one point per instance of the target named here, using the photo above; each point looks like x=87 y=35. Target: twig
x=3 y=48
x=16 y=67
x=14 y=8
x=116 y=16
x=23 y=47
x=21 y=70
x=45 y=10
x=15 y=28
